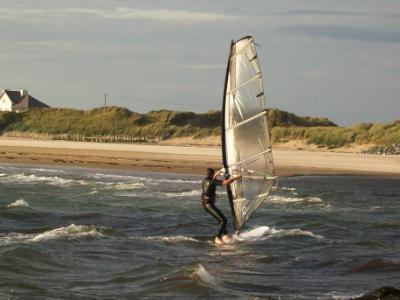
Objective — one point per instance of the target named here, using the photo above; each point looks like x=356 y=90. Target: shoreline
x=185 y=159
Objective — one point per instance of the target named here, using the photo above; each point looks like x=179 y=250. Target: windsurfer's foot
x=218 y=241
x=226 y=238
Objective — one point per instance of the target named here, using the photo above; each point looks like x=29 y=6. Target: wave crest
x=18 y=203
x=70 y=232
x=266 y=232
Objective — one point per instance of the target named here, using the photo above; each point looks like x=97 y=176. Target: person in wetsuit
x=209 y=185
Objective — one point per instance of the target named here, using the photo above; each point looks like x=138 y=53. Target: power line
x=157 y=102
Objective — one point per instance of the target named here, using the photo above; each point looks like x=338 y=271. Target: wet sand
x=182 y=159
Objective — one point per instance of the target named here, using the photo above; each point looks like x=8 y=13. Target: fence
x=82 y=137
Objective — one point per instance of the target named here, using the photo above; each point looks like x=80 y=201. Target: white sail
x=246 y=143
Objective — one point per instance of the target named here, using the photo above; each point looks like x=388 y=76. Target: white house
x=18 y=101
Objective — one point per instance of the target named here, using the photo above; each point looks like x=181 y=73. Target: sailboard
x=246 y=143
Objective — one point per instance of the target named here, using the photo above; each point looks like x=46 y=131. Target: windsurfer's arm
x=230 y=180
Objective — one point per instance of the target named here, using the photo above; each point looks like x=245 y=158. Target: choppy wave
x=376 y=265
x=51 y=180
x=173 y=239
x=204 y=278
x=287 y=188
x=70 y=232
x=185 y=194
x=3 y=174
x=154 y=181
x=127 y=186
x=18 y=203
x=266 y=232
x=340 y=296
x=284 y=200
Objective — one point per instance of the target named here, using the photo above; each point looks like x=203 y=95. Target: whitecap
x=314 y=200
x=283 y=200
x=3 y=174
x=70 y=232
x=18 y=203
x=278 y=233
x=339 y=296
x=266 y=232
x=127 y=186
x=185 y=194
x=52 y=180
x=12 y=238
x=204 y=278
x=172 y=239
x=287 y=188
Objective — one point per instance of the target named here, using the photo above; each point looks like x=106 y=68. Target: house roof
x=23 y=101
x=29 y=102
x=15 y=96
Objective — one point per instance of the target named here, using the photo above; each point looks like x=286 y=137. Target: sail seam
x=250 y=158
x=244 y=83
x=247 y=120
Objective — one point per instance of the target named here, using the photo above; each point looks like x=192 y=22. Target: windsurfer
x=209 y=185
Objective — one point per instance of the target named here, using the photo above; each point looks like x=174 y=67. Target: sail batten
x=246 y=143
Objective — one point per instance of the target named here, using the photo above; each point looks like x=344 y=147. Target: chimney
x=24 y=92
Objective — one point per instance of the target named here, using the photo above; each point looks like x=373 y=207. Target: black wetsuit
x=208 y=200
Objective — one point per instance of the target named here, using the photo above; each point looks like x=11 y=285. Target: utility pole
x=105 y=104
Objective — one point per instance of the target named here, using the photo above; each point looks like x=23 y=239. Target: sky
x=337 y=59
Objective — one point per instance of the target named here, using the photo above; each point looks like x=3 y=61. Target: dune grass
x=166 y=124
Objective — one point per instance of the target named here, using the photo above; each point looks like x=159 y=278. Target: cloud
x=122 y=13
x=322 y=12
x=344 y=33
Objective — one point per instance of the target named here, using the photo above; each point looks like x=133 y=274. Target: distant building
x=18 y=101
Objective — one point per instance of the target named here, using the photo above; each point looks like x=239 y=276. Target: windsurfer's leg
x=217 y=214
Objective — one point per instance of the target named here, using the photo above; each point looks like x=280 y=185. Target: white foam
x=266 y=232
x=153 y=181
x=278 y=233
x=52 y=180
x=47 y=170
x=201 y=275
x=338 y=296
x=314 y=200
x=127 y=186
x=18 y=203
x=172 y=239
x=287 y=188
x=3 y=174
x=282 y=200
x=13 y=238
x=185 y=194
x=72 y=231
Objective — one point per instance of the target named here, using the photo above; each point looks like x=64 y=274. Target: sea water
x=72 y=233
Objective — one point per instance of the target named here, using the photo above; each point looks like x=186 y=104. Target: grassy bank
x=164 y=125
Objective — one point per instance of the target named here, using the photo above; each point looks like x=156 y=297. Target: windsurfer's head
x=210 y=173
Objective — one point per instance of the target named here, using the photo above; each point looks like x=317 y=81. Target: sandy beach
x=182 y=159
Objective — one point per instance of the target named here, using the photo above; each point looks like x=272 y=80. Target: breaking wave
x=266 y=232
x=71 y=232
x=204 y=278
x=51 y=180
x=18 y=203
x=127 y=186
x=185 y=194
x=287 y=188
x=284 y=200
x=172 y=239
